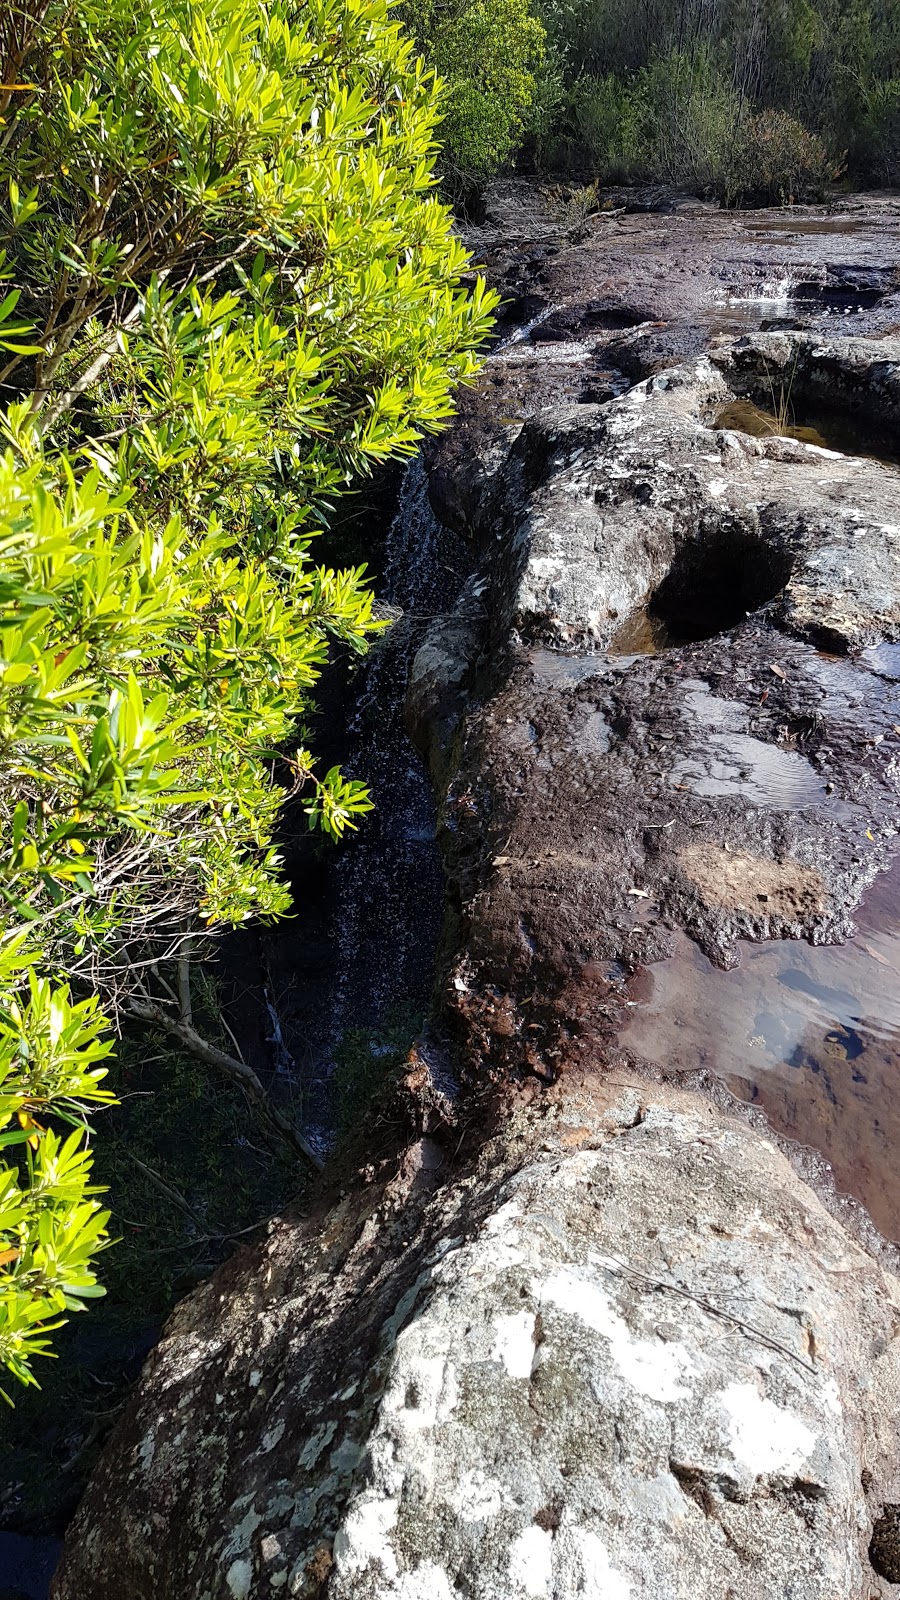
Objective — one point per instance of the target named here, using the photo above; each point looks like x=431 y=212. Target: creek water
x=809 y=1033
x=390 y=886
x=26 y=1566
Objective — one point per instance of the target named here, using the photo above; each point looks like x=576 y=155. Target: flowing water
x=390 y=885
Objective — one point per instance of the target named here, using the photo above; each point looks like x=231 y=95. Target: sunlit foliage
x=228 y=290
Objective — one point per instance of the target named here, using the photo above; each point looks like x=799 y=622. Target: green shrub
x=877 y=141
x=609 y=129
x=778 y=162
x=366 y=1061
x=230 y=289
x=697 y=119
x=488 y=53
x=702 y=71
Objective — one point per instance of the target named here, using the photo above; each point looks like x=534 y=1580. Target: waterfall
x=390 y=884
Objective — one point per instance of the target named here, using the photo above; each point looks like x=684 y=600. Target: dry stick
x=108 y=343
x=237 y=1071
x=184 y=981
x=715 y=1311
x=67 y=399
x=163 y=1187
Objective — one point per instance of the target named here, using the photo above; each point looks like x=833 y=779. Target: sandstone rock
x=624 y=1350
x=615 y=790
x=630 y=1355
x=603 y=510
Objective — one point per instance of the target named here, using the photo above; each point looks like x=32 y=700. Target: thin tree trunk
x=237 y=1071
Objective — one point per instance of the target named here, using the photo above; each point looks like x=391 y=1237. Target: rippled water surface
x=810 y=1033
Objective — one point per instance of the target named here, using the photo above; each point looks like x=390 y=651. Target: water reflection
x=730 y=761
x=847 y=433
x=883 y=659
x=811 y=1034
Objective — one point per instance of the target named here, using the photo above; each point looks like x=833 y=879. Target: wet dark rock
x=884 y=1550
x=664 y=747
x=656 y=199
x=656 y=348
x=441 y=677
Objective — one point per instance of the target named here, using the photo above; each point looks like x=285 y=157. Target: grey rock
x=599 y=505
x=441 y=675
x=631 y=1354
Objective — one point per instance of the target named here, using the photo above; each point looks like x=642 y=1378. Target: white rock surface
x=577 y=1420
x=631 y=1357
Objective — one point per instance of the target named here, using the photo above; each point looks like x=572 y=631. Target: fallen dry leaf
x=778 y=671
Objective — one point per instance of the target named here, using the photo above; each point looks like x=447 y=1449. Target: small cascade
x=526 y=329
x=771 y=292
x=390 y=885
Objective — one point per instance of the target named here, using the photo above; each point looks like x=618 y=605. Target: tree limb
x=237 y=1071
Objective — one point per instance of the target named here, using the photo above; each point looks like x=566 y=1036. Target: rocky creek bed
x=597 y=1332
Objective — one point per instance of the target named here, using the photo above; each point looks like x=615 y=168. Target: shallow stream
x=811 y=1034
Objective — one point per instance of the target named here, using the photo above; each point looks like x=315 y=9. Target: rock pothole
x=884 y=1549
x=716 y=580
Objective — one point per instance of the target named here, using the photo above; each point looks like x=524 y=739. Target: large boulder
x=631 y=1353
x=620 y=1348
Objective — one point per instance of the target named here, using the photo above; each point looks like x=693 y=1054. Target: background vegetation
x=753 y=101
x=490 y=54
x=750 y=100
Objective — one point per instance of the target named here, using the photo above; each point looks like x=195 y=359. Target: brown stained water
x=640 y=635
x=811 y=1034
x=839 y=431
x=809 y=226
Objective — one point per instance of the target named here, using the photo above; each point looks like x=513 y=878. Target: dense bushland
x=751 y=100
x=748 y=100
x=227 y=290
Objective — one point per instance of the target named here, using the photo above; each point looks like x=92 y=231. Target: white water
x=777 y=292
x=520 y=334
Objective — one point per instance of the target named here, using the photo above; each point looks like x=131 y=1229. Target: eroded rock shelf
x=601 y=1330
